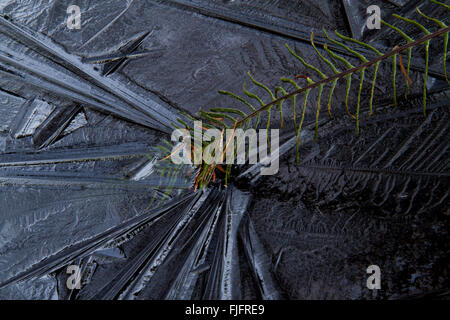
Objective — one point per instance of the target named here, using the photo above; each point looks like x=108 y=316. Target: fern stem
x=445 y=56
x=413 y=22
x=187 y=115
x=335 y=70
x=280 y=105
x=427 y=46
x=359 y=100
x=218 y=115
x=294 y=97
x=347 y=93
x=183 y=123
x=394 y=78
x=404 y=35
x=230 y=110
x=328 y=62
x=293 y=111
x=348 y=77
x=442 y=25
x=368 y=46
x=349 y=71
x=425 y=79
x=301 y=124
x=211 y=119
x=357 y=54
x=227 y=174
x=372 y=90
x=320 y=73
x=254 y=96
x=259 y=84
x=234 y=96
x=268 y=126
x=237 y=98
x=407 y=71
x=441 y=4
x=362 y=73
x=333 y=86
x=408 y=40
x=338 y=57
x=316 y=132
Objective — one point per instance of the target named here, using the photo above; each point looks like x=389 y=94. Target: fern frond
x=253 y=96
x=305 y=101
x=372 y=90
x=363 y=59
x=221 y=115
x=413 y=22
x=230 y=110
x=237 y=98
x=442 y=25
x=211 y=119
x=295 y=84
x=441 y=4
x=427 y=48
x=216 y=117
x=280 y=105
x=394 y=78
x=348 y=77
x=351 y=71
x=183 y=123
x=272 y=96
x=363 y=44
x=335 y=70
x=307 y=65
x=187 y=115
x=408 y=40
x=259 y=84
x=368 y=46
x=319 y=96
x=348 y=49
x=359 y=100
x=234 y=96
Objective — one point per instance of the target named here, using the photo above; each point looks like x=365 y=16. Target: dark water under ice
x=79 y=183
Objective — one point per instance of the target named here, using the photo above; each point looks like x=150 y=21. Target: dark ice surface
x=80 y=183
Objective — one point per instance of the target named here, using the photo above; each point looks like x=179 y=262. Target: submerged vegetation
x=225 y=118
